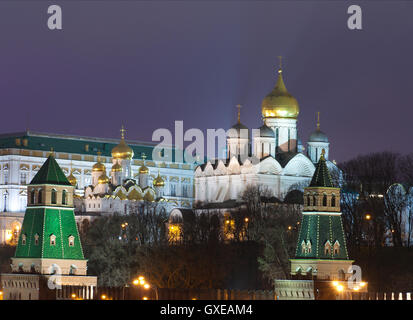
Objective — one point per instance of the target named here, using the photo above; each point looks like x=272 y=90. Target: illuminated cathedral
x=274 y=156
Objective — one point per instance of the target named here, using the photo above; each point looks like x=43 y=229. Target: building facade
x=22 y=155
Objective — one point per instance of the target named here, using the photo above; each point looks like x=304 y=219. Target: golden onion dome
x=122 y=150
x=143 y=169
x=72 y=179
x=116 y=167
x=103 y=179
x=279 y=103
x=98 y=166
x=158 y=181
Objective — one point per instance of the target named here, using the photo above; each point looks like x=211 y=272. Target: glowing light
x=73 y=295
x=335 y=283
x=368 y=216
x=289 y=227
x=135 y=282
x=103 y=297
x=362 y=284
x=356 y=288
x=146 y=286
x=141 y=278
x=246 y=219
x=340 y=288
x=145 y=298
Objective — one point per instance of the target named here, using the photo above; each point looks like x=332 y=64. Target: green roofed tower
x=321 y=250
x=49 y=237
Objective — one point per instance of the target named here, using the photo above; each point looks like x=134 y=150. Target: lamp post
x=142 y=282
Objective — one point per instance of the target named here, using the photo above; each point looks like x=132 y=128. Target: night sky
x=146 y=64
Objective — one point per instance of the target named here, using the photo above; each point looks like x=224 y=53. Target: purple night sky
x=146 y=64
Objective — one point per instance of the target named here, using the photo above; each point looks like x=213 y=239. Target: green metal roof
x=321 y=177
x=50 y=173
x=74 y=144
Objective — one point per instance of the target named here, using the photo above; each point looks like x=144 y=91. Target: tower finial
x=143 y=156
x=99 y=153
x=122 y=132
x=280 y=67
x=323 y=152
x=318 y=121
x=239 y=112
x=51 y=152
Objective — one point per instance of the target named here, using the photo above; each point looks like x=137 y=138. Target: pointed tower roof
x=321 y=177
x=50 y=173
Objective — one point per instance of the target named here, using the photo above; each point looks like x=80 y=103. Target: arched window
x=324 y=200
x=52 y=240
x=336 y=248
x=40 y=196
x=314 y=200
x=32 y=197
x=333 y=200
x=54 y=196
x=327 y=248
x=36 y=239
x=308 y=246
x=71 y=241
x=23 y=239
x=64 y=197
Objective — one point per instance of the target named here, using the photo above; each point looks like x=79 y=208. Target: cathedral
x=272 y=156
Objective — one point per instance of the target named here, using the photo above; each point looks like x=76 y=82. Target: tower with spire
x=321 y=250
x=49 y=247
x=122 y=155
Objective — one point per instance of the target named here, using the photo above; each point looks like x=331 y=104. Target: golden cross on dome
x=239 y=112
x=280 y=64
x=318 y=120
x=122 y=132
x=51 y=152
x=143 y=156
x=99 y=153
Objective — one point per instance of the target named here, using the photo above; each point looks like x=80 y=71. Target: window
x=185 y=190
x=52 y=240
x=64 y=196
x=36 y=239
x=173 y=190
x=324 y=200
x=23 y=239
x=336 y=248
x=308 y=246
x=23 y=177
x=54 y=196
x=333 y=200
x=6 y=177
x=32 y=197
x=40 y=196
x=327 y=248
x=71 y=241
x=314 y=200
x=303 y=247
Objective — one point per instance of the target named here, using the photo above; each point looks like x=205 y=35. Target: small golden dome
x=103 y=179
x=98 y=166
x=143 y=169
x=72 y=179
x=158 y=181
x=279 y=103
x=122 y=150
x=116 y=167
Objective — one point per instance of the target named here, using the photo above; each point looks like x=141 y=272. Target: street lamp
x=140 y=281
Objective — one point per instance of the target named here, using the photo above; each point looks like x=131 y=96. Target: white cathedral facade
x=272 y=157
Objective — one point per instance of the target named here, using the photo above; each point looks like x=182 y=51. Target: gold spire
x=99 y=166
x=122 y=150
x=239 y=112
x=323 y=152
x=143 y=168
x=158 y=181
x=72 y=179
x=280 y=68
x=51 y=153
x=318 y=121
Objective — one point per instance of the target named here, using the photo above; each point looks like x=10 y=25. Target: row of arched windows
x=40 y=197
x=311 y=200
x=71 y=240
